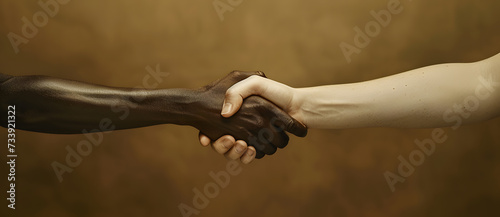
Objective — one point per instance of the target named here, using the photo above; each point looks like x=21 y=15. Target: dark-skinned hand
x=53 y=105
x=259 y=123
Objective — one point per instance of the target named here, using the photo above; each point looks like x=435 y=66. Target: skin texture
x=260 y=123
x=434 y=96
x=51 y=105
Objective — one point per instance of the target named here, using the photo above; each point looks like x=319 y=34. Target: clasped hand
x=258 y=123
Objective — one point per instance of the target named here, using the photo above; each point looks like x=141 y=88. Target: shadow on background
x=150 y=171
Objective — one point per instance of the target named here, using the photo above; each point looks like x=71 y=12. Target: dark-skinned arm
x=52 y=105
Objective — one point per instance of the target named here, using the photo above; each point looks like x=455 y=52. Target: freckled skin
x=51 y=105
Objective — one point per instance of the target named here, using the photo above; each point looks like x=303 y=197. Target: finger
x=259 y=155
x=237 y=151
x=276 y=137
x=223 y=144
x=280 y=139
x=266 y=147
x=204 y=140
x=241 y=75
x=278 y=93
x=249 y=155
x=285 y=122
x=235 y=94
x=296 y=128
x=233 y=105
x=262 y=143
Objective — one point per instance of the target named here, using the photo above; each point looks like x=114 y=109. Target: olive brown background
x=150 y=171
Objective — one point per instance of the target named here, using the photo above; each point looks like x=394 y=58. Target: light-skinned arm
x=435 y=96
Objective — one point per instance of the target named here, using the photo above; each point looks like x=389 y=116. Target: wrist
x=201 y=107
x=296 y=109
x=171 y=106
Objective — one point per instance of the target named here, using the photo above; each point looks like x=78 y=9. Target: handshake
x=248 y=128
x=245 y=115
x=253 y=128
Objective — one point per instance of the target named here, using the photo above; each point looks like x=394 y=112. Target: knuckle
x=236 y=72
x=240 y=147
x=220 y=150
x=261 y=73
x=283 y=124
x=259 y=123
x=229 y=93
x=288 y=124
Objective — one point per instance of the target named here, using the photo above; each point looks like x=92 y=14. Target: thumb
x=239 y=91
x=231 y=105
x=278 y=93
x=204 y=140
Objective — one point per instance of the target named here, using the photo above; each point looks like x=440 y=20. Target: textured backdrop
x=150 y=171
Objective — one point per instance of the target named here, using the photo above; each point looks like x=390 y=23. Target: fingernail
x=226 y=108
x=249 y=152
x=226 y=143
x=238 y=148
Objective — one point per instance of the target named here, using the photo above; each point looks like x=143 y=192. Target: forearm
x=52 y=105
x=432 y=96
